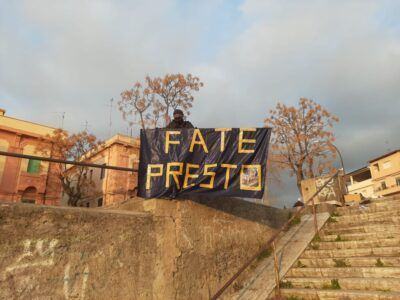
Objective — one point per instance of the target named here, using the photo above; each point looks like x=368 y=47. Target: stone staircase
x=356 y=256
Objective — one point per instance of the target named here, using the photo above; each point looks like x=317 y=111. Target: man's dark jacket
x=179 y=124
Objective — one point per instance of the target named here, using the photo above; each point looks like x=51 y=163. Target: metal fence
x=26 y=179
x=271 y=243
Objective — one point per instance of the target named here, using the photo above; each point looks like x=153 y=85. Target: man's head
x=178 y=115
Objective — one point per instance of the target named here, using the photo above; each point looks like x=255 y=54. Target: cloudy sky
x=74 y=56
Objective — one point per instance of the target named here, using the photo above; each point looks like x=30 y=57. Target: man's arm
x=170 y=125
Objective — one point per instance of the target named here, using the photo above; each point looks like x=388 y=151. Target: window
x=91 y=174
x=383 y=185
x=398 y=181
x=376 y=167
x=29 y=201
x=386 y=165
x=33 y=166
x=100 y=202
x=102 y=172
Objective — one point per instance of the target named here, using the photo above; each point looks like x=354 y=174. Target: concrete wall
x=160 y=249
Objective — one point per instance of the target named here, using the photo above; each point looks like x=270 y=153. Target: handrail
x=273 y=238
x=68 y=162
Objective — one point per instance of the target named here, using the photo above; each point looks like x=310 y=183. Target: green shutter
x=33 y=166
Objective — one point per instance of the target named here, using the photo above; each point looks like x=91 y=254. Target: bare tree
x=157 y=97
x=136 y=102
x=302 y=139
x=75 y=181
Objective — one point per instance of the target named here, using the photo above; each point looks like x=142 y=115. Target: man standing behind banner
x=178 y=121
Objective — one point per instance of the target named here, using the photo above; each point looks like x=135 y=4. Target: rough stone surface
x=155 y=249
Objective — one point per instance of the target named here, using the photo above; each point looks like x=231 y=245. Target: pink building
x=24 y=180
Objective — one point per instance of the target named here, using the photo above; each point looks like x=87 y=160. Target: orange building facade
x=111 y=186
x=23 y=180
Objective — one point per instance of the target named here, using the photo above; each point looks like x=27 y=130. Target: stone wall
x=154 y=249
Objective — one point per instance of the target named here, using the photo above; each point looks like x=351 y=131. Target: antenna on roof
x=62 y=114
x=110 y=124
x=86 y=125
x=388 y=146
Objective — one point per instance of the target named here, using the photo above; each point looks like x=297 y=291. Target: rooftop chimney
x=2 y=112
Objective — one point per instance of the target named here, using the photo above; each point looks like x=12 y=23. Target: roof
x=384 y=155
x=298 y=204
x=358 y=171
x=14 y=124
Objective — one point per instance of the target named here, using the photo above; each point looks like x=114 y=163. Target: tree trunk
x=142 y=121
x=299 y=178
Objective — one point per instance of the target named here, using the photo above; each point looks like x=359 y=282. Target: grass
x=379 y=263
x=264 y=254
x=300 y=264
x=237 y=286
x=293 y=222
x=334 y=285
x=332 y=220
x=292 y=297
x=384 y=290
x=340 y=263
x=285 y=285
x=339 y=238
x=316 y=239
x=335 y=214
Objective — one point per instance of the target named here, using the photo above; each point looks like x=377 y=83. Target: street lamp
x=340 y=156
x=344 y=170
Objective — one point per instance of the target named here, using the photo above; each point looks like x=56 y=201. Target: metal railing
x=272 y=243
x=67 y=162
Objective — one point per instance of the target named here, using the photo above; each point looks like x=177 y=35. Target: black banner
x=212 y=161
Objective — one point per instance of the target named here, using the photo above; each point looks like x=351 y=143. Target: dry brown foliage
x=160 y=95
x=302 y=139
x=75 y=182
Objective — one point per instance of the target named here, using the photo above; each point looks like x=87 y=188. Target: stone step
x=351 y=223
x=309 y=294
x=340 y=253
x=368 y=216
x=357 y=236
x=370 y=243
x=368 y=261
x=370 y=228
x=386 y=199
x=348 y=283
x=365 y=272
x=372 y=207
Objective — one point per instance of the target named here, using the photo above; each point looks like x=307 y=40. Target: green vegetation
x=333 y=286
x=314 y=246
x=340 y=263
x=300 y=264
x=292 y=297
x=285 y=285
x=264 y=254
x=316 y=238
x=379 y=263
x=339 y=238
x=237 y=286
x=335 y=214
x=332 y=220
x=293 y=222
